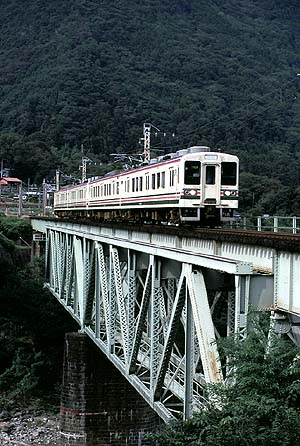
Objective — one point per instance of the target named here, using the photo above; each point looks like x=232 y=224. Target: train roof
x=154 y=161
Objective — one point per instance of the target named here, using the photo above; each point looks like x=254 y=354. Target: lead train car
x=193 y=185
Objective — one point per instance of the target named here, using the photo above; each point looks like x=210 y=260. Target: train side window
x=114 y=188
x=228 y=173
x=153 y=181
x=192 y=172
x=210 y=175
x=141 y=183
x=158 y=180
x=132 y=184
x=163 y=179
x=101 y=190
x=137 y=184
x=172 y=174
x=147 y=181
x=117 y=188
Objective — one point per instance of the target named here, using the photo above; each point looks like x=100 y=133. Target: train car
x=194 y=185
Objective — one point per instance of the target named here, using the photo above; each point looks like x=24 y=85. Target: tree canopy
x=220 y=73
x=259 y=405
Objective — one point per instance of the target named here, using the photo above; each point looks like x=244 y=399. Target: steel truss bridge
x=155 y=301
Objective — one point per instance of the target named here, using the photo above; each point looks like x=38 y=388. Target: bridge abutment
x=98 y=406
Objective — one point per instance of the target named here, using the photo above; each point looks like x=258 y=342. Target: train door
x=211 y=184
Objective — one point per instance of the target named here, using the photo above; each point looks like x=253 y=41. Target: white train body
x=193 y=185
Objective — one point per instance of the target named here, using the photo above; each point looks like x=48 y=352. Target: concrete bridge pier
x=98 y=406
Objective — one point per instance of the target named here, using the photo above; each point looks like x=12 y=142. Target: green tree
x=260 y=404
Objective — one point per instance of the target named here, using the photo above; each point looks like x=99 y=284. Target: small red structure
x=9 y=181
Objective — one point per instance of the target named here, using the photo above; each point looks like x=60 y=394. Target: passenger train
x=192 y=186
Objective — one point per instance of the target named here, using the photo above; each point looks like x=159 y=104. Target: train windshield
x=192 y=172
x=228 y=174
x=210 y=175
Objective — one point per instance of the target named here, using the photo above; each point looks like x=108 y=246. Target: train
x=193 y=186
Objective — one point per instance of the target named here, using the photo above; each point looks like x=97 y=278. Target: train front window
x=210 y=175
x=228 y=174
x=192 y=172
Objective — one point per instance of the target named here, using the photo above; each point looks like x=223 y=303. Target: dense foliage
x=15 y=228
x=221 y=73
x=30 y=350
x=259 y=406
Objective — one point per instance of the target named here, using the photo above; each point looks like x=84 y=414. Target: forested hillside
x=30 y=350
x=222 y=73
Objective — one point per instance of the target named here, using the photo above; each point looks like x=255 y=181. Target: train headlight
x=227 y=193
x=192 y=192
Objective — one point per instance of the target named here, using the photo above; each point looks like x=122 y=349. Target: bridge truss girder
x=149 y=312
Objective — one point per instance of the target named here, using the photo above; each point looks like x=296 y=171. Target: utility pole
x=84 y=161
x=147 y=128
x=57 y=180
x=44 y=196
x=20 y=210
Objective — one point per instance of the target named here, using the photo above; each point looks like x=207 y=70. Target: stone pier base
x=98 y=406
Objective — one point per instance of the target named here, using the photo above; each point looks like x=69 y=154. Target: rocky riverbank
x=25 y=428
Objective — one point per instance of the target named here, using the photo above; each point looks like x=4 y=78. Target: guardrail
x=270 y=223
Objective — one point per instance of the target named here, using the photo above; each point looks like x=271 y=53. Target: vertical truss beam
x=242 y=290
x=189 y=361
x=155 y=322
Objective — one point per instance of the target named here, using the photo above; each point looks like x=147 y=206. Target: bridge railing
x=269 y=223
